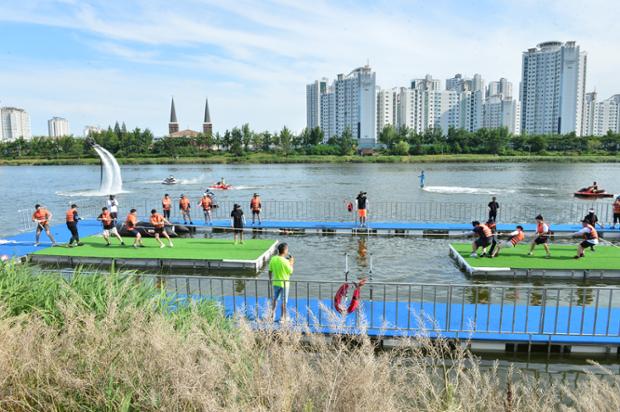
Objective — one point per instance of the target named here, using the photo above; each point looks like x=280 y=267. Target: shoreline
x=261 y=158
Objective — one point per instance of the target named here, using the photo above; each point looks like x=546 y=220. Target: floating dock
x=187 y=253
x=514 y=263
x=482 y=327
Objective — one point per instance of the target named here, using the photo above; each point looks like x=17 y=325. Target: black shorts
x=585 y=244
x=133 y=231
x=159 y=230
x=256 y=212
x=237 y=229
x=483 y=241
x=114 y=215
x=541 y=240
x=616 y=217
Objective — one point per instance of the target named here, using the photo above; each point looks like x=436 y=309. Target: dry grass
x=130 y=357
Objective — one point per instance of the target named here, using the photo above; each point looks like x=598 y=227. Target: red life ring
x=341 y=293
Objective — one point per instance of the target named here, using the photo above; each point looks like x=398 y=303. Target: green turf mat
x=184 y=248
x=562 y=257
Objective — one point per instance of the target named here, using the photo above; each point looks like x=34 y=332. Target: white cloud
x=253 y=58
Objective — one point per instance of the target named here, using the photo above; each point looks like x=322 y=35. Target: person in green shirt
x=280 y=270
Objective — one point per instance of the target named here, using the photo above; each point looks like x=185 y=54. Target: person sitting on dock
x=590 y=238
x=362 y=208
x=542 y=236
x=616 y=210
x=185 y=206
x=514 y=239
x=485 y=237
x=280 y=271
x=42 y=217
x=206 y=203
x=237 y=221
x=159 y=225
x=131 y=223
x=166 y=205
x=109 y=228
x=256 y=207
x=72 y=220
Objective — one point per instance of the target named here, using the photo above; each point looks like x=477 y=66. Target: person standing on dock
x=256 y=207
x=42 y=217
x=491 y=225
x=72 y=219
x=362 y=208
x=112 y=205
x=206 y=203
x=184 y=207
x=166 y=205
x=493 y=208
x=485 y=237
x=237 y=221
x=109 y=228
x=422 y=178
x=159 y=224
x=590 y=238
x=131 y=223
x=591 y=218
x=616 y=210
x=280 y=271
x=542 y=236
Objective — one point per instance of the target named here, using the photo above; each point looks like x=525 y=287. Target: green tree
x=236 y=142
x=247 y=135
x=285 y=140
x=389 y=136
x=401 y=148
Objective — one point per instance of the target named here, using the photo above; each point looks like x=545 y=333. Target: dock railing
x=336 y=211
x=461 y=309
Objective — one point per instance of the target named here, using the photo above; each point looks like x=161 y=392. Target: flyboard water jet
x=111 y=181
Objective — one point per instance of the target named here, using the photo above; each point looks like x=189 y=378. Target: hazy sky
x=98 y=61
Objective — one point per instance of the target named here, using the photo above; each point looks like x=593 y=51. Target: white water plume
x=111 y=180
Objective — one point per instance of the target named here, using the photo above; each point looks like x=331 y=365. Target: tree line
x=241 y=141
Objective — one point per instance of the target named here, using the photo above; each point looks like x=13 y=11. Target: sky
x=98 y=61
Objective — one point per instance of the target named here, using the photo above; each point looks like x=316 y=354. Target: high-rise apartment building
x=14 y=123
x=601 y=117
x=57 y=127
x=552 y=91
x=500 y=111
x=502 y=86
x=90 y=130
x=314 y=91
x=387 y=104
x=350 y=103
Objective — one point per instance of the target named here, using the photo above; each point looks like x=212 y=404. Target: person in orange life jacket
x=255 y=207
x=166 y=205
x=515 y=238
x=590 y=238
x=491 y=225
x=107 y=221
x=159 y=225
x=185 y=206
x=131 y=223
x=72 y=218
x=42 y=217
x=616 y=209
x=485 y=237
x=206 y=203
x=542 y=236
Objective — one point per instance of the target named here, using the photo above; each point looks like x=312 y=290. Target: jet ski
x=587 y=193
x=170 y=180
x=220 y=186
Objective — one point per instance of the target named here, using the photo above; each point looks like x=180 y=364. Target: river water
x=539 y=187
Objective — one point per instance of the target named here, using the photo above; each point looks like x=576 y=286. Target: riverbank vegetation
x=243 y=145
x=97 y=342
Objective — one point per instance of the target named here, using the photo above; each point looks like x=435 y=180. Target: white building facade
x=14 y=123
x=502 y=112
x=314 y=91
x=601 y=117
x=90 y=130
x=57 y=127
x=552 y=88
x=387 y=105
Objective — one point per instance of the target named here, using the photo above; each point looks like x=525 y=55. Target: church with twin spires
x=173 y=126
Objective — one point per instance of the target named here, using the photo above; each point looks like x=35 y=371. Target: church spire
x=207 y=126
x=173 y=126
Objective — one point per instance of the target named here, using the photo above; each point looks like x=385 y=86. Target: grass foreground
x=562 y=257
x=184 y=248
x=277 y=158
x=97 y=342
